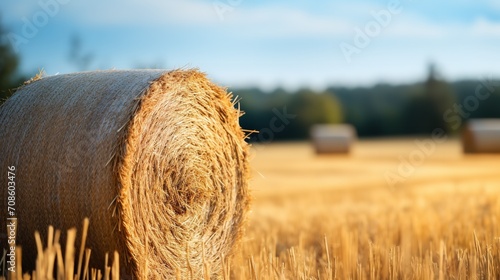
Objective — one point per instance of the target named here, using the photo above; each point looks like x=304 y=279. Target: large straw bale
x=481 y=136
x=333 y=138
x=156 y=159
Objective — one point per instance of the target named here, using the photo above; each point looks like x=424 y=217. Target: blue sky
x=238 y=43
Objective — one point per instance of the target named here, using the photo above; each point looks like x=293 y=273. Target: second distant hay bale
x=333 y=138
x=481 y=136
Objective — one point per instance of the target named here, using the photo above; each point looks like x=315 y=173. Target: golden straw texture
x=156 y=159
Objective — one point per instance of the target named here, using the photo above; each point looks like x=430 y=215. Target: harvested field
x=337 y=217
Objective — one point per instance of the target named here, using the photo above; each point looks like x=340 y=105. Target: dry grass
x=344 y=222
x=50 y=263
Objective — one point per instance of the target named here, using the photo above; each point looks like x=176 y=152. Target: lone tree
x=9 y=64
x=426 y=107
x=441 y=98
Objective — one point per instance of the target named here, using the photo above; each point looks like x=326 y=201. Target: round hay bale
x=333 y=138
x=156 y=159
x=481 y=136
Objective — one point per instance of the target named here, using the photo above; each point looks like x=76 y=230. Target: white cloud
x=482 y=27
x=145 y=12
x=416 y=28
x=411 y=26
x=262 y=21
x=285 y=22
x=268 y=20
x=421 y=29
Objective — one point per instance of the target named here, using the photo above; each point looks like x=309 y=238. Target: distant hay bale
x=481 y=136
x=156 y=160
x=333 y=138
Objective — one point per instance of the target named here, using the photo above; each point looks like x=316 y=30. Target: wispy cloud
x=266 y=20
x=279 y=21
x=145 y=12
x=483 y=27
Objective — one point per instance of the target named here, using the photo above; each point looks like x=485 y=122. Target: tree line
x=376 y=111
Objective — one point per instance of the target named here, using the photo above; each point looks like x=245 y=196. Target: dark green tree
x=440 y=97
x=312 y=108
x=427 y=104
x=9 y=64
